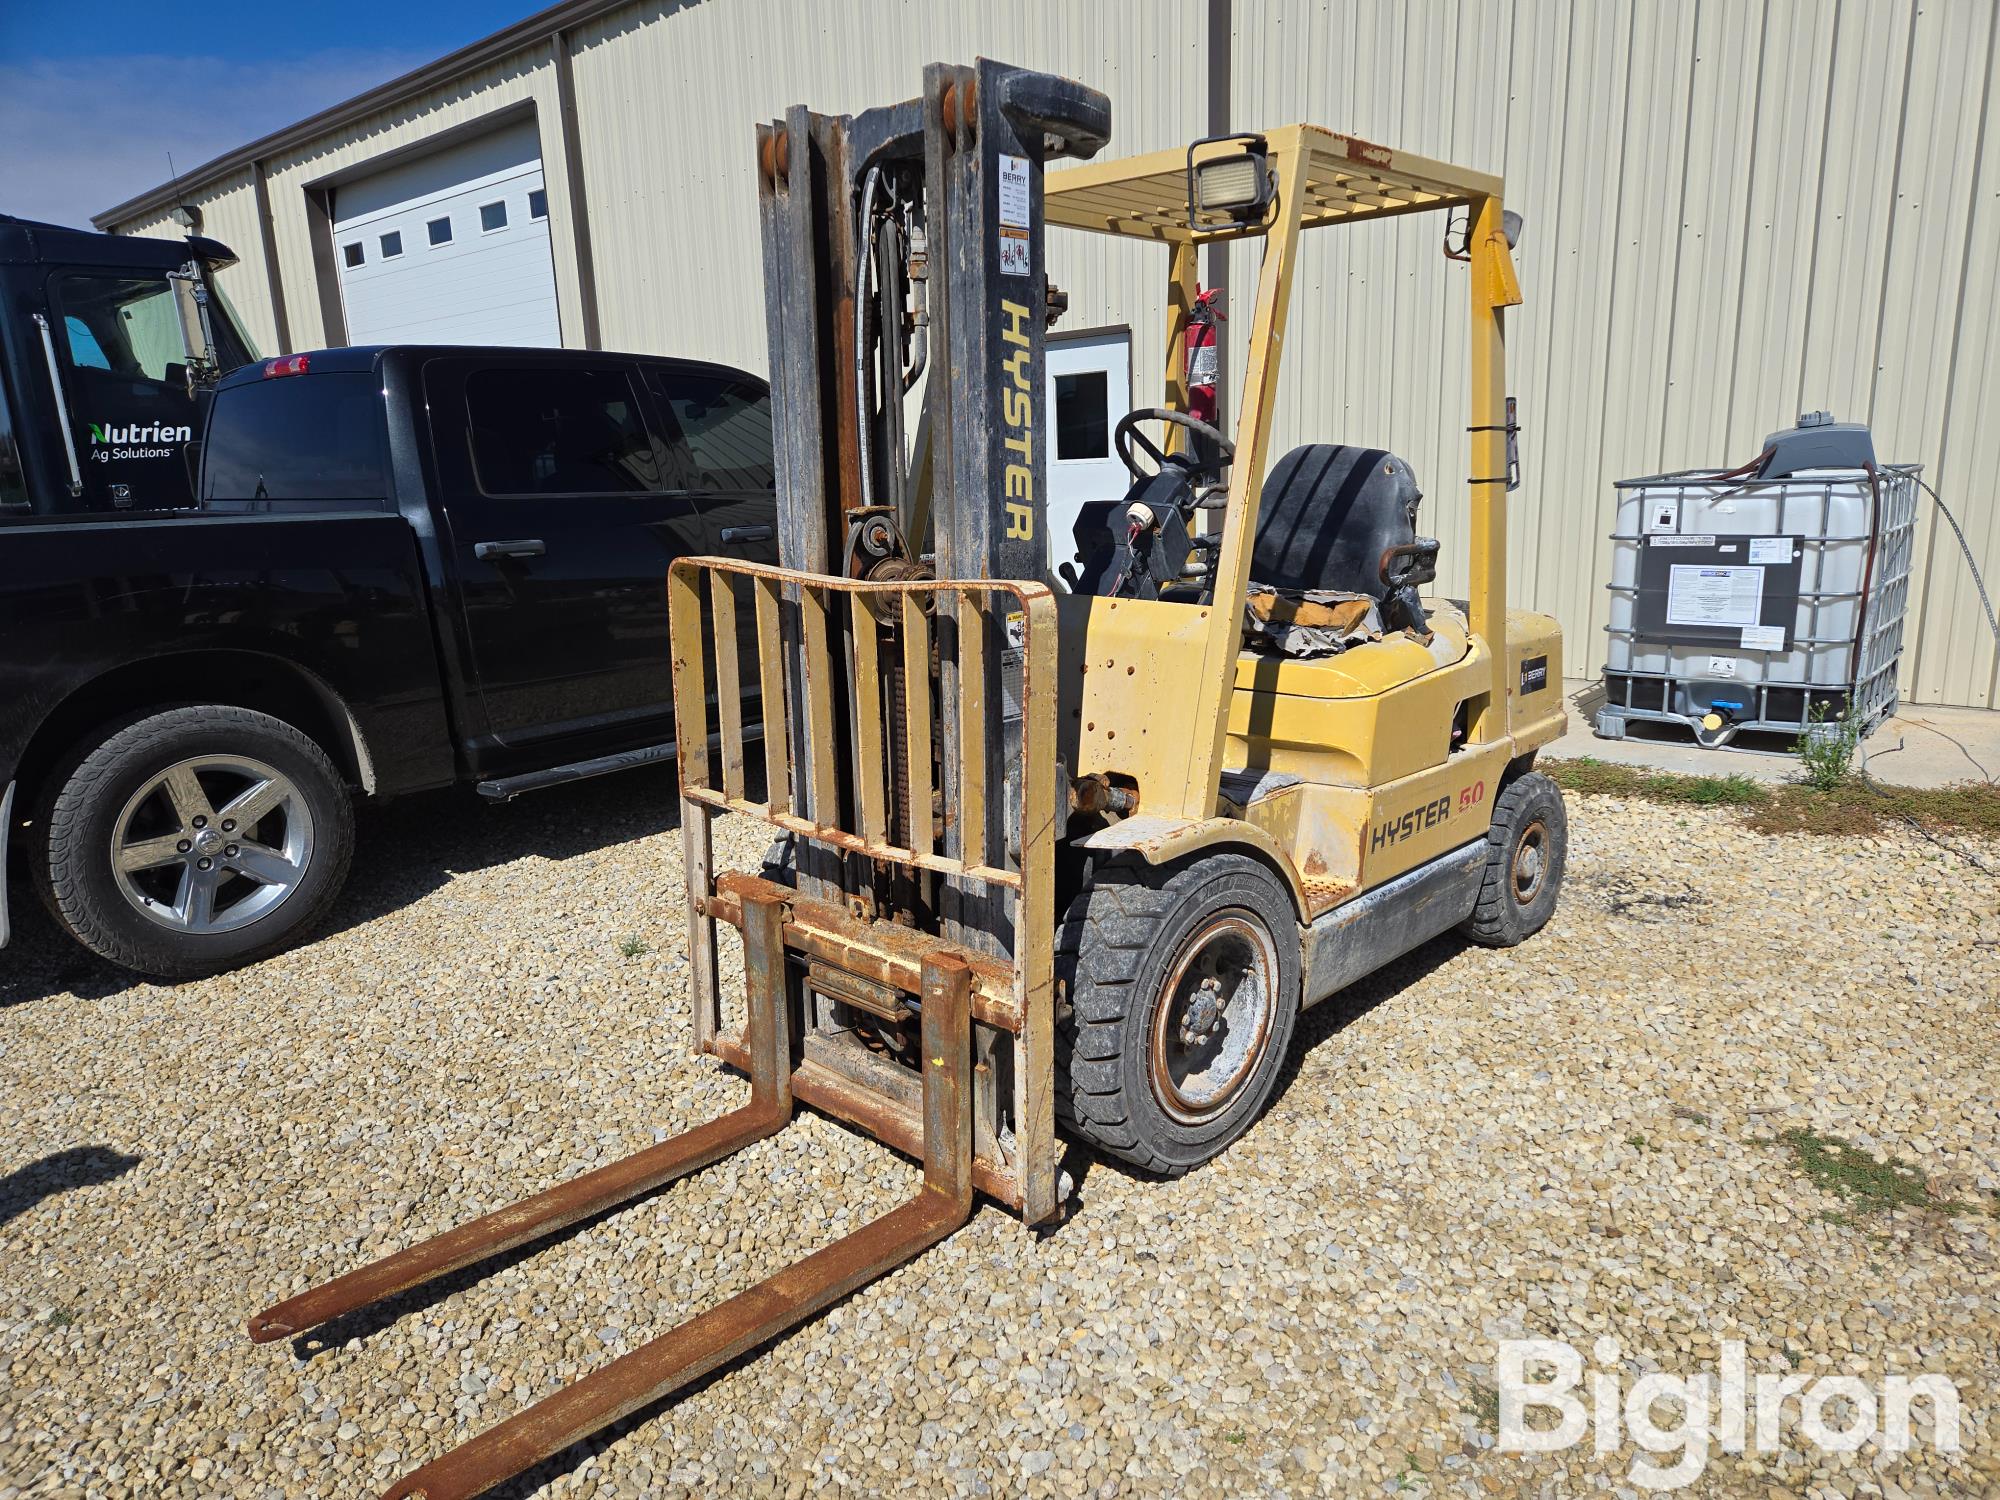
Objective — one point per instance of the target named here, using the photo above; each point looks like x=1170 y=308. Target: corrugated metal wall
x=1736 y=210
x=229 y=214
x=668 y=98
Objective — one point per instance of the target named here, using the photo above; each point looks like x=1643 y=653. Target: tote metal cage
x=1843 y=649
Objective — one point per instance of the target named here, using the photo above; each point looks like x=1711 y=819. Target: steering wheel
x=1127 y=433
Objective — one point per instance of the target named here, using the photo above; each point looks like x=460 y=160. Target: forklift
x=1067 y=830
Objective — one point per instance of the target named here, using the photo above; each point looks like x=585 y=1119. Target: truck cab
x=400 y=568
x=108 y=346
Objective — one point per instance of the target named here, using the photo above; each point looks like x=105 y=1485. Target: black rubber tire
x=72 y=867
x=781 y=860
x=1118 y=945
x=1528 y=807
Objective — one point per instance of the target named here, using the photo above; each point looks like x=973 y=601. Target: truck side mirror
x=191 y=307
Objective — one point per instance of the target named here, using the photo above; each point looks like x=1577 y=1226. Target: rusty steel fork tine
x=769 y=1109
x=751 y=1317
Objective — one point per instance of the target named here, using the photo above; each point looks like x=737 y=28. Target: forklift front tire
x=1526 y=850
x=1183 y=987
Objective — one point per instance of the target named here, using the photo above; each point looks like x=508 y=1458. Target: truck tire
x=195 y=839
x=1527 y=849
x=1150 y=1068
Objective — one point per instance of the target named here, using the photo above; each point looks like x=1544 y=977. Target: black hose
x=1970 y=561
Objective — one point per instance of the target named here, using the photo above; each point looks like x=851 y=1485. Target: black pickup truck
x=404 y=567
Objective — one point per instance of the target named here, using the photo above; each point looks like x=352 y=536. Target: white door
x=452 y=248
x=1089 y=389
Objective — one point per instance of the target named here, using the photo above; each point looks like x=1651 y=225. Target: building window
x=352 y=254
x=440 y=231
x=538 y=203
x=492 y=216
x=392 y=244
x=1083 y=415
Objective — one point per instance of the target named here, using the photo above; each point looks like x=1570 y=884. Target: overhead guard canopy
x=1346 y=179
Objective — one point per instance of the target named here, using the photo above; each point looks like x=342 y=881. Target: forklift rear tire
x=1183 y=990
x=1526 y=851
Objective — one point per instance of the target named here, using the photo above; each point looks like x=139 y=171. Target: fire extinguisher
x=1202 y=354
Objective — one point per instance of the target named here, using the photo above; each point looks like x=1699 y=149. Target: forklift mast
x=953 y=180
x=887 y=234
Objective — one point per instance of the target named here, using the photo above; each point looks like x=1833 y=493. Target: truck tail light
x=291 y=364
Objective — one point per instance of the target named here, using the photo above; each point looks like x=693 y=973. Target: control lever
x=1402 y=568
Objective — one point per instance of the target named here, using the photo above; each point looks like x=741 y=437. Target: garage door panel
x=491 y=158
x=481 y=286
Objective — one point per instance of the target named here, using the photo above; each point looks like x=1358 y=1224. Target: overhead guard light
x=1239 y=186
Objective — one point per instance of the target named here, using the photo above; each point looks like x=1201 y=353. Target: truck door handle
x=747 y=533
x=525 y=547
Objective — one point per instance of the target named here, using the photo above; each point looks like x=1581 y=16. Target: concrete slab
x=1921 y=746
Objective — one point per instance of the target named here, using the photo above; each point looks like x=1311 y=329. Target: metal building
x=1736 y=210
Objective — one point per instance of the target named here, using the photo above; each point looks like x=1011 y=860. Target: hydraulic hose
x=864 y=260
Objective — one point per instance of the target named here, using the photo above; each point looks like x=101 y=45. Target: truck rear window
x=300 y=437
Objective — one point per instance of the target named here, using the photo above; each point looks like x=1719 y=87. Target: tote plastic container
x=1748 y=599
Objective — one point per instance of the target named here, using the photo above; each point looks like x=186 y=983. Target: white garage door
x=452 y=248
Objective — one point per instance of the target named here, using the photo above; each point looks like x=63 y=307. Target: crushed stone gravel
x=1574 y=1139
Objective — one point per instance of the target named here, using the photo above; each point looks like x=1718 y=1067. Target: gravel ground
x=1573 y=1139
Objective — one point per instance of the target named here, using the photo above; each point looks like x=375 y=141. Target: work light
x=1239 y=186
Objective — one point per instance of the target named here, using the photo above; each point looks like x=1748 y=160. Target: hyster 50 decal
x=1417 y=819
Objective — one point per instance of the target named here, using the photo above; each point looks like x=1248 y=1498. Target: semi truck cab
x=108 y=346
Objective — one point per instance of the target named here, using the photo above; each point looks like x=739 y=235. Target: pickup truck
x=405 y=567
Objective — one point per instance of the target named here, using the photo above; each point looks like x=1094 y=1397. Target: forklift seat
x=1329 y=512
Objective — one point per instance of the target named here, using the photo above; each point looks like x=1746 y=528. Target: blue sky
x=93 y=96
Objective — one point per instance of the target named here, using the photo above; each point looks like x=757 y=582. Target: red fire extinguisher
x=1201 y=353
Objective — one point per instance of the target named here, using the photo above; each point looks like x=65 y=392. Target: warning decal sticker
x=1014 y=252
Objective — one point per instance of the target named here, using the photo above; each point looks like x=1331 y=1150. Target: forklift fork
x=750 y=1318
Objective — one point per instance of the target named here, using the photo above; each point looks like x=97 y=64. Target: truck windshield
x=293 y=438
x=233 y=347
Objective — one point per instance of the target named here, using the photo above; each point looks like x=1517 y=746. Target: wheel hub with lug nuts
x=212 y=844
x=1204 y=1009
x=1214 y=1017
x=1531 y=859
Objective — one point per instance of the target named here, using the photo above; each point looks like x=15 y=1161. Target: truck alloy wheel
x=193 y=839
x=212 y=844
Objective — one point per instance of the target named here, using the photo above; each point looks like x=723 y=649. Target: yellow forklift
x=1068 y=830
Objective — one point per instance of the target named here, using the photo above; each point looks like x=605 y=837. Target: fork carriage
x=889 y=780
